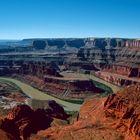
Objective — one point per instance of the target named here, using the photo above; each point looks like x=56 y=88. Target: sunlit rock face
x=124 y=107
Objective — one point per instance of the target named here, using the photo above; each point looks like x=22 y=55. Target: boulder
x=54 y=110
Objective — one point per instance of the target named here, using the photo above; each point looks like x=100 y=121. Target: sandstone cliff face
x=124 y=107
x=39 y=69
x=109 y=50
x=120 y=58
x=124 y=55
x=117 y=79
x=129 y=71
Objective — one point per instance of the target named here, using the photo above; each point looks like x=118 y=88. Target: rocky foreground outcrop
x=116 y=117
x=23 y=121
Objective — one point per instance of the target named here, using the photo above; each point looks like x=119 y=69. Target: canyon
x=92 y=84
x=111 y=55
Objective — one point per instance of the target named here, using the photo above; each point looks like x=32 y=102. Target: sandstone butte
x=116 y=117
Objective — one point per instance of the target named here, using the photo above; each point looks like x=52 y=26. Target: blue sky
x=69 y=18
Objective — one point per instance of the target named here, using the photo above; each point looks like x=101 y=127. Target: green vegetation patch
x=74 y=101
x=106 y=88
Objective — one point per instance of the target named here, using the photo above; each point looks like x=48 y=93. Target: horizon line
x=17 y=39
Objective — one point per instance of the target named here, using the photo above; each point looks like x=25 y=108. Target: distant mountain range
x=72 y=43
